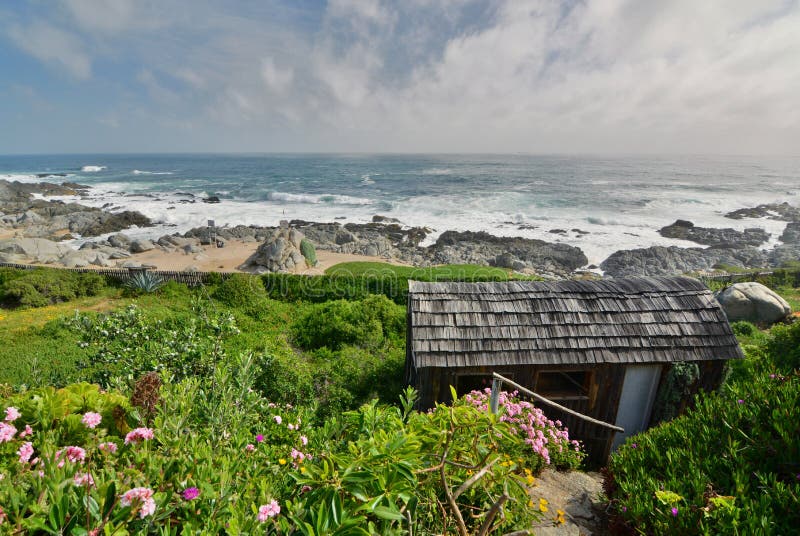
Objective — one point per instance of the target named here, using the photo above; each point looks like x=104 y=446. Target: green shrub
x=42 y=287
x=307 y=249
x=322 y=288
x=365 y=323
x=126 y=344
x=783 y=346
x=743 y=329
x=241 y=291
x=729 y=466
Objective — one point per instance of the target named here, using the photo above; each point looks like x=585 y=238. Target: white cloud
x=275 y=78
x=453 y=75
x=54 y=46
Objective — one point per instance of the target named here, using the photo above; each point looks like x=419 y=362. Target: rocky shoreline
x=34 y=230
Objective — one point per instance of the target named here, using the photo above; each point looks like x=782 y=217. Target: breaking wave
x=92 y=169
x=318 y=199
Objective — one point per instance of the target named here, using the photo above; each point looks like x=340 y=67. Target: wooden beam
x=498 y=378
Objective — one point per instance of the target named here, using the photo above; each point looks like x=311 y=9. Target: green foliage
x=675 y=388
x=743 y=329
x=308 y=251
x=125 y=345
x=730 y=465
x=144 y=282
x=783 y=346
x=42 y=287
x=245 y=292
x=357 y=280
x=367 y=323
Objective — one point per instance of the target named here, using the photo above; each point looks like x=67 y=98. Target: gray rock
x=37 y=250
x=659 y=260
x=119 y=240
x=141 y=245
x=773 y=211
x=76 y=259
x=753 y=302
x=791 y=234
x=731 y=238
x=295 y=237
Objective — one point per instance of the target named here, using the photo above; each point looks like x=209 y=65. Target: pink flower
x=7 y=432
x=674 y=512
x=109 y=447
x=27 y=431
x=91 y=419
x=138 y=434
x=259 y=438
x=25 y=452
x=142 y=497
x=277 y=419
x=72 y=454
x=12 y=414
x=266 y=511
x=2 y=515
x=290 y=426
x=190 y=493
x=304 y=440
x=83 y=479
x=250 y=447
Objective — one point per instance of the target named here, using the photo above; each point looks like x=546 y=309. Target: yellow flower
x=560 y=517
x=543 y=505
x=530 y=503
x=530 y=480
x=282 y=461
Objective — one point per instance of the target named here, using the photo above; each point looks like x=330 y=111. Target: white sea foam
x=316 y=199
x=437 y=171
x=92 y=169
x=140 y=172
x=367 y=178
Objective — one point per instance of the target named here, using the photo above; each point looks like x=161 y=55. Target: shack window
x=564 y=384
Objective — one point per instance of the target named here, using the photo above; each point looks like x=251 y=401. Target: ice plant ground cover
x=219 y=458
x=731 y=465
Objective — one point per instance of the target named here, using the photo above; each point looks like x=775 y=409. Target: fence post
x=494 y=401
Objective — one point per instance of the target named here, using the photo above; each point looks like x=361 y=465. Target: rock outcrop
x=468 y=247
x=754 y=303
x=660 y=260
x=729 y=238
x=56 y=220
x=773 y=211
x=279 y=253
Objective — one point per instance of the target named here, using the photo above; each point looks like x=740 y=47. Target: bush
x=307 y=249
x=728 y=466
x=366 y=323
x=322 y=288
x=241 y=291
x=743 y=329
x=42 y=287
x=125 y=344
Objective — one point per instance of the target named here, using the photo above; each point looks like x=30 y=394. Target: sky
x=432 y=76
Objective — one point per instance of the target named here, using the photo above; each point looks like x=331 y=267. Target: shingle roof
x=632 y=320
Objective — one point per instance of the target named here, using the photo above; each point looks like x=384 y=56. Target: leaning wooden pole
x=498 y=380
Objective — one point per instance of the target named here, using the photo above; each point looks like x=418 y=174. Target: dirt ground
x=577 y=494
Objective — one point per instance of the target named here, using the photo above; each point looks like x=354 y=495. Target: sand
x=235 y=252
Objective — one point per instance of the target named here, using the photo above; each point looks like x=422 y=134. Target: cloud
x=445 y=75
x=276 y=79
x=53 y=46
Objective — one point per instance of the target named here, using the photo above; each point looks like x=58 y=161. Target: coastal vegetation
x=253 y=404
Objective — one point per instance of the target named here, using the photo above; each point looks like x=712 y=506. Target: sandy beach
x=235 y=252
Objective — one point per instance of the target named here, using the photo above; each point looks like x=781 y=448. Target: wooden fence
x=191 y=279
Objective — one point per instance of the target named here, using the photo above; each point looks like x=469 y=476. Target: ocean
x=598 y=203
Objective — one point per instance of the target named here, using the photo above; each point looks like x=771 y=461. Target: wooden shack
x=601 y=348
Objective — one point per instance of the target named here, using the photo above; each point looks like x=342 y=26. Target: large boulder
x=753 y=302
x=35 y=250
x=279 y=253
x=660 y=260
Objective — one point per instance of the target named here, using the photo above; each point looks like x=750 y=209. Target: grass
x=464 y=272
